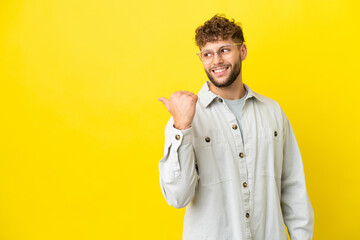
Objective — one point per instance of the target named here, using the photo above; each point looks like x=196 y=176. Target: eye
x=225 y=50
x=207 y=54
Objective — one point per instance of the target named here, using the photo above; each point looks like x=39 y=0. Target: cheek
x=206 y=68
x=236 y=60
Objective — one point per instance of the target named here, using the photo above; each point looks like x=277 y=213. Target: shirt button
x=207 y=139
x=177 y=137
x=241 y=155
x=247 y=215
x=245 y=184
x=234 y=126
x=275 y=133
x=220 y=100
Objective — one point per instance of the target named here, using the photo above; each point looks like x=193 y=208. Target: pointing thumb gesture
x=182 y=107
x=166 y=102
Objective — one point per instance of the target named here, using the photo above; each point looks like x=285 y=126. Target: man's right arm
x=178 y=176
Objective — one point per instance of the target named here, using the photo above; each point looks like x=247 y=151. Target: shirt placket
x=243 y=168
x=246 y=183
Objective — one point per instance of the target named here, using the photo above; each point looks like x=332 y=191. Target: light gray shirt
x=235 y=190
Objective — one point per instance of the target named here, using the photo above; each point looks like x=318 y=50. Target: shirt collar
x=206 y=96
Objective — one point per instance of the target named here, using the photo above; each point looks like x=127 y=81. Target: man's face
x=223 y=71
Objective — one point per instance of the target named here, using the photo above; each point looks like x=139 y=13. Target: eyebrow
x=218 y=48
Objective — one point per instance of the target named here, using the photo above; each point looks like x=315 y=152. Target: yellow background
x=82 y=131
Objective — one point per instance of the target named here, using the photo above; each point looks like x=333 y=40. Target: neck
x=232 y=92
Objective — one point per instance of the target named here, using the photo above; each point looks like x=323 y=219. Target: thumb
x=165 y=101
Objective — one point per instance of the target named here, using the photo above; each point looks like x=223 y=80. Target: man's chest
x=221 y=155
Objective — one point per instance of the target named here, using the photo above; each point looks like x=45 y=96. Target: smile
x=220 y=71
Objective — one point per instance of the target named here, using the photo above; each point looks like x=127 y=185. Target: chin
x=223 y=82
x=220 y=82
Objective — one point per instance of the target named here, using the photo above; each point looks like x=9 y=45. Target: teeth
x=219 y=70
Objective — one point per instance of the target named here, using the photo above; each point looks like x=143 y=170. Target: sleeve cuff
x=179 y=137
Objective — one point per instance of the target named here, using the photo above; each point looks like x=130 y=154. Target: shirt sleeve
x=178 y=176
x=295 y=203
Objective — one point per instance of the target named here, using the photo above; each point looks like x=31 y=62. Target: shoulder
x=271 y=107
x=266 y=102
x=262 y=100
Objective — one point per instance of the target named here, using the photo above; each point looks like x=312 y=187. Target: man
x=231 y=155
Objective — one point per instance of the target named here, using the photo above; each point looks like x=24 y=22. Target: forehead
x=216 y=45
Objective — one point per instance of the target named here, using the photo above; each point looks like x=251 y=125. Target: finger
x=165 y=101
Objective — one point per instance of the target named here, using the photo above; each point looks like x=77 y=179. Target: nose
x=217 y=59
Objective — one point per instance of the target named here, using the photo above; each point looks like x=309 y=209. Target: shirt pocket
x=270 y=142
x=212 y=158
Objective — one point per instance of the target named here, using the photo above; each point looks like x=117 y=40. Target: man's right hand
x=182 y=107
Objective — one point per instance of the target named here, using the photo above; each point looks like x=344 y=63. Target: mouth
x=220 y=71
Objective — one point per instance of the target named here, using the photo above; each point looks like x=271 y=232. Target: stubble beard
x=230 y=80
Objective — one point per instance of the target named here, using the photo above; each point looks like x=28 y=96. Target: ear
x=243 y=51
